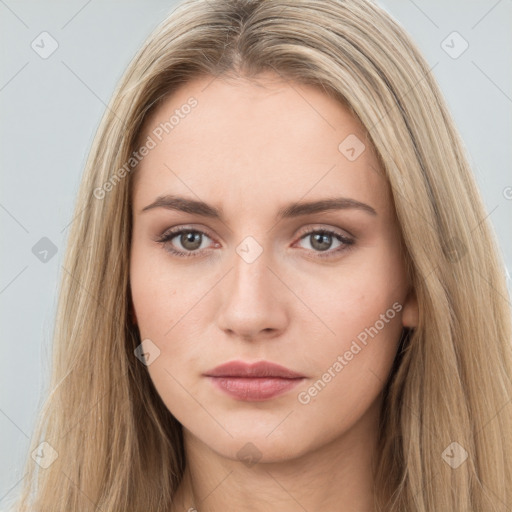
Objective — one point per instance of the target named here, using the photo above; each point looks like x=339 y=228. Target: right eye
x=190 y=240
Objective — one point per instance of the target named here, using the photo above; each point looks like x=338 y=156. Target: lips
x=259 y=369
x=253 y=382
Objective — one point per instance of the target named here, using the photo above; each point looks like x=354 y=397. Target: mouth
x=253 y=382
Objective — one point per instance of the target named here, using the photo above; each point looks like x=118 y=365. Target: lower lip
x=254 y=389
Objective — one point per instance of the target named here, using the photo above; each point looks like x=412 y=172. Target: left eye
x=191 y=241
x=321 y=240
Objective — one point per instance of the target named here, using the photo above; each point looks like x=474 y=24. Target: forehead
x=257 y=141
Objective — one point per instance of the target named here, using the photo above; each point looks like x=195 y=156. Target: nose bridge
x=251 y=275
x=251 y=300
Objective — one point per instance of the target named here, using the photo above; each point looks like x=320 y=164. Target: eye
x=321 y=240
x=191 y=240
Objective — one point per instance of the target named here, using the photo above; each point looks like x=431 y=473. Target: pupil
x=321 y=241
x=189 y=240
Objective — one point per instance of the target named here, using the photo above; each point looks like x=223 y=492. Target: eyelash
x=168 y=236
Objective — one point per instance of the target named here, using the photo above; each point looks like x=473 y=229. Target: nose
x=253 y=301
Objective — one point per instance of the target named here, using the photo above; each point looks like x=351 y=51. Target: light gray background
x=50 y=109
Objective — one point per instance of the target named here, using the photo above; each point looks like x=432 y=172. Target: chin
x=253 y=446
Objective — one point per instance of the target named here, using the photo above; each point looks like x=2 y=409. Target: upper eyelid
x=172 y=232
x=320 y=227
x=306 y=231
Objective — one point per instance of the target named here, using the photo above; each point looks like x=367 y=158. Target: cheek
x=169 y=312
x=153 y=302
x=361 y=346
x=356 y=297
x=160 y=309
x=360 y=308
x=351 y=365
x=161 y=295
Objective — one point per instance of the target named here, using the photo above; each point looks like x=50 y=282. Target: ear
x=410 y=312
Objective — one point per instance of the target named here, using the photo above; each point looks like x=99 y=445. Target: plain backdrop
x=51 y=107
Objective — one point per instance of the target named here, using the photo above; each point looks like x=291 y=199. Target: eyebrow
x=296 y=209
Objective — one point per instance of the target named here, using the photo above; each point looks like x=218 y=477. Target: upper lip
x=259 y=369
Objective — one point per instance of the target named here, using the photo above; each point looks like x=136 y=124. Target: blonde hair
x=119 y=448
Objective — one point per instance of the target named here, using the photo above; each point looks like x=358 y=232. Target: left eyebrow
x=296 y=209
x=307 y=208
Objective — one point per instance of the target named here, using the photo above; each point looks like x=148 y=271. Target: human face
x=257 y=286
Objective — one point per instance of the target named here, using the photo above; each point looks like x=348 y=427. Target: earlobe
x=410 y=312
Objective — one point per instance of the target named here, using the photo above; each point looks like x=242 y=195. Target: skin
x=250 y=148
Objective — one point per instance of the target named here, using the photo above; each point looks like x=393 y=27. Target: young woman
x=281 y=292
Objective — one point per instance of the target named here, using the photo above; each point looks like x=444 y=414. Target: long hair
x=446 y=422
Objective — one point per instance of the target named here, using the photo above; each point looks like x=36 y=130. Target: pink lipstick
x=253 y=382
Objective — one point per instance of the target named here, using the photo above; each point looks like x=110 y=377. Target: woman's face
x=263 y=270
